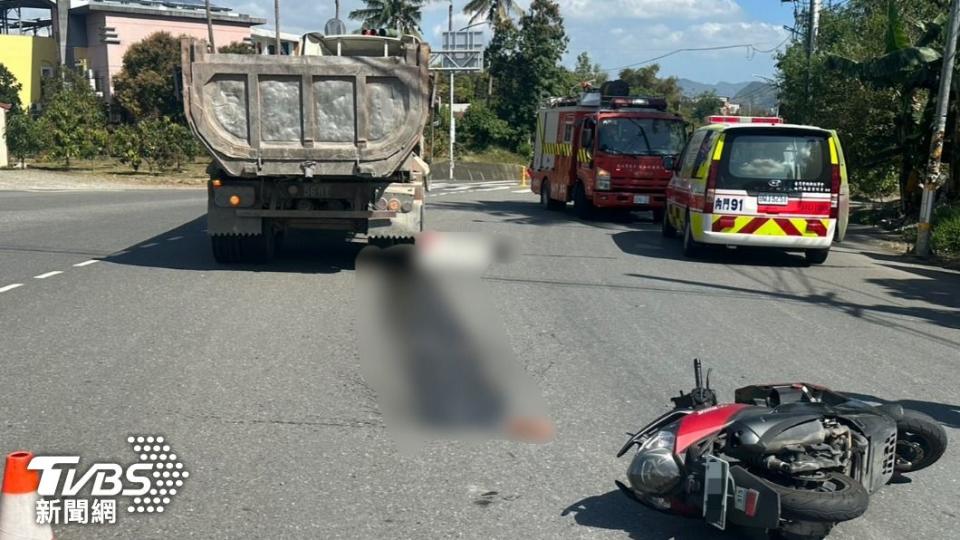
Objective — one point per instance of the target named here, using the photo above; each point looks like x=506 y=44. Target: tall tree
x=646 y=81
x=9 y=89
x=587 y=72
x=145 y=88
x=402 y=15
x=537 y=46
x=495 y=11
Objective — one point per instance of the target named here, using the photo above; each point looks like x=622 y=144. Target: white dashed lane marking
x=88 y=262
x=522 y=191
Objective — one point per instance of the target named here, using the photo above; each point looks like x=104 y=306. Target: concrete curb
x=477 y=172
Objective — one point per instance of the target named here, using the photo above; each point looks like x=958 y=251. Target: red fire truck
x=603 y=151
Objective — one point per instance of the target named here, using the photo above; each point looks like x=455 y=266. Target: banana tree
x=913 y=70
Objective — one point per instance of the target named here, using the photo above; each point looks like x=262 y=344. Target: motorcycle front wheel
x=837 y=498
x=921 y=441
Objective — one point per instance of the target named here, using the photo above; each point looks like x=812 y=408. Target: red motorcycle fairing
x=700 y=424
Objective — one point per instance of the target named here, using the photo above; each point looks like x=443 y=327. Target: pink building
x=101 y=31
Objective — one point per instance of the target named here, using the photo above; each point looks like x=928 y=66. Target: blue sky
x=614 y=32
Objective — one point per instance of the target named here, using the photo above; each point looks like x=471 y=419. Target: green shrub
x=161 y=143
x=946 y=230
x=125 y=146
x=25 y=137
x=480 y=128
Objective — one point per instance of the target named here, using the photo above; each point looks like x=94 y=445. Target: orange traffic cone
x=18 y=501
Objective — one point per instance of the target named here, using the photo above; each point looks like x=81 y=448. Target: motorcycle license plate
x=641 y=199
x=715 y=490
x=773 y=199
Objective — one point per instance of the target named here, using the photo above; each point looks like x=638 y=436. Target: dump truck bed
x=309 y=116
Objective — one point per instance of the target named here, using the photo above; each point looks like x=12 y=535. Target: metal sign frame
x=462 y=50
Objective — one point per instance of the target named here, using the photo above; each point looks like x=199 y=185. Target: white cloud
x=649 y=9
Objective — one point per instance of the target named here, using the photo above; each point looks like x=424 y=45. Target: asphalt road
x=252 y=375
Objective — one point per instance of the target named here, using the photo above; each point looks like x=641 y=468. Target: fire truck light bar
x=744 y=120
x=651 y=102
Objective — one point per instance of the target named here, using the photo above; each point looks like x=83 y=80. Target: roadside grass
x=494 y=155
x=193 y=173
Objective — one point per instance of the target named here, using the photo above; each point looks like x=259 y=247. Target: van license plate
x=641 y=199
x=772 y=198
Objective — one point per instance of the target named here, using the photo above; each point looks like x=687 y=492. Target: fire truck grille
x=639 y=185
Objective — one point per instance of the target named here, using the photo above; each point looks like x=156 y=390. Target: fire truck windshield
x=641 y=136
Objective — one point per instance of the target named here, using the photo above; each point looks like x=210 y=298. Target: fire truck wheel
x=666 y=228
x=545 y=200
x=817 y=256
x=691 y=248
x=582 y=206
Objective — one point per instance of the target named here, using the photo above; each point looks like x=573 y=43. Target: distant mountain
x=753 y=96
x=757 y=95
x=722 y=89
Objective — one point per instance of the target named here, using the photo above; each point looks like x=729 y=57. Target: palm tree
x=495 y=11
x=403 y=15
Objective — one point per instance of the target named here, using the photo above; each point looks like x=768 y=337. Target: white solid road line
x=48 y=274
x=86 y=263
x=10 y=287
x=522 y=191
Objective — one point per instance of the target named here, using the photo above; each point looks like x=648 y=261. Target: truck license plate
x=772 y=199
x=641 y=199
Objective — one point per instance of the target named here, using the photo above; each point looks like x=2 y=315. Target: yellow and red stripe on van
x=770 y=226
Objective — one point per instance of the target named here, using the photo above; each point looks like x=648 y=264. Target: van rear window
x=775 y=162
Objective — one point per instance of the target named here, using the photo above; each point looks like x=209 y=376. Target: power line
x=748 y=46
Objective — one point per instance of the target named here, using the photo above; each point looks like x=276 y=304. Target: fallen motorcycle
x=794 y=459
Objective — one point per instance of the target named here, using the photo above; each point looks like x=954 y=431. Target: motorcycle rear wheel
x=840 y=498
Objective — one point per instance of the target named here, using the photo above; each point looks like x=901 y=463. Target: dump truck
x=328 y=139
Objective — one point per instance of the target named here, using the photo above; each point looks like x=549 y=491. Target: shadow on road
x=945 y=413
x=877 y=313
x=187 y=247
x=648 y=242
x=531 y=213
x=932 y=285
x=614 y=511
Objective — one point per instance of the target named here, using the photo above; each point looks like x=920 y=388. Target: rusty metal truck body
x=328 y=139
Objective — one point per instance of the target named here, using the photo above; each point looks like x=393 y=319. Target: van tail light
x=710 y=192
x=834 y=191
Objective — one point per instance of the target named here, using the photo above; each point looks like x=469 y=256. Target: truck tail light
x=710 y=192
x=234 y=200
x=835 y=191
x=216 y=183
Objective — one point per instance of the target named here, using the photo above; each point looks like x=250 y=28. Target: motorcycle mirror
x=709 y=371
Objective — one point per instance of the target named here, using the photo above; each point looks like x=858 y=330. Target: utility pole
x=453 y=128
x=814 y=27
x=276 y=22
x=336 y=12
x=932 y=182
x=213 y=48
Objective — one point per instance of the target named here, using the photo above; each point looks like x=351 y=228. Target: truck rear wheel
x=241 y=249
x=545 y=200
